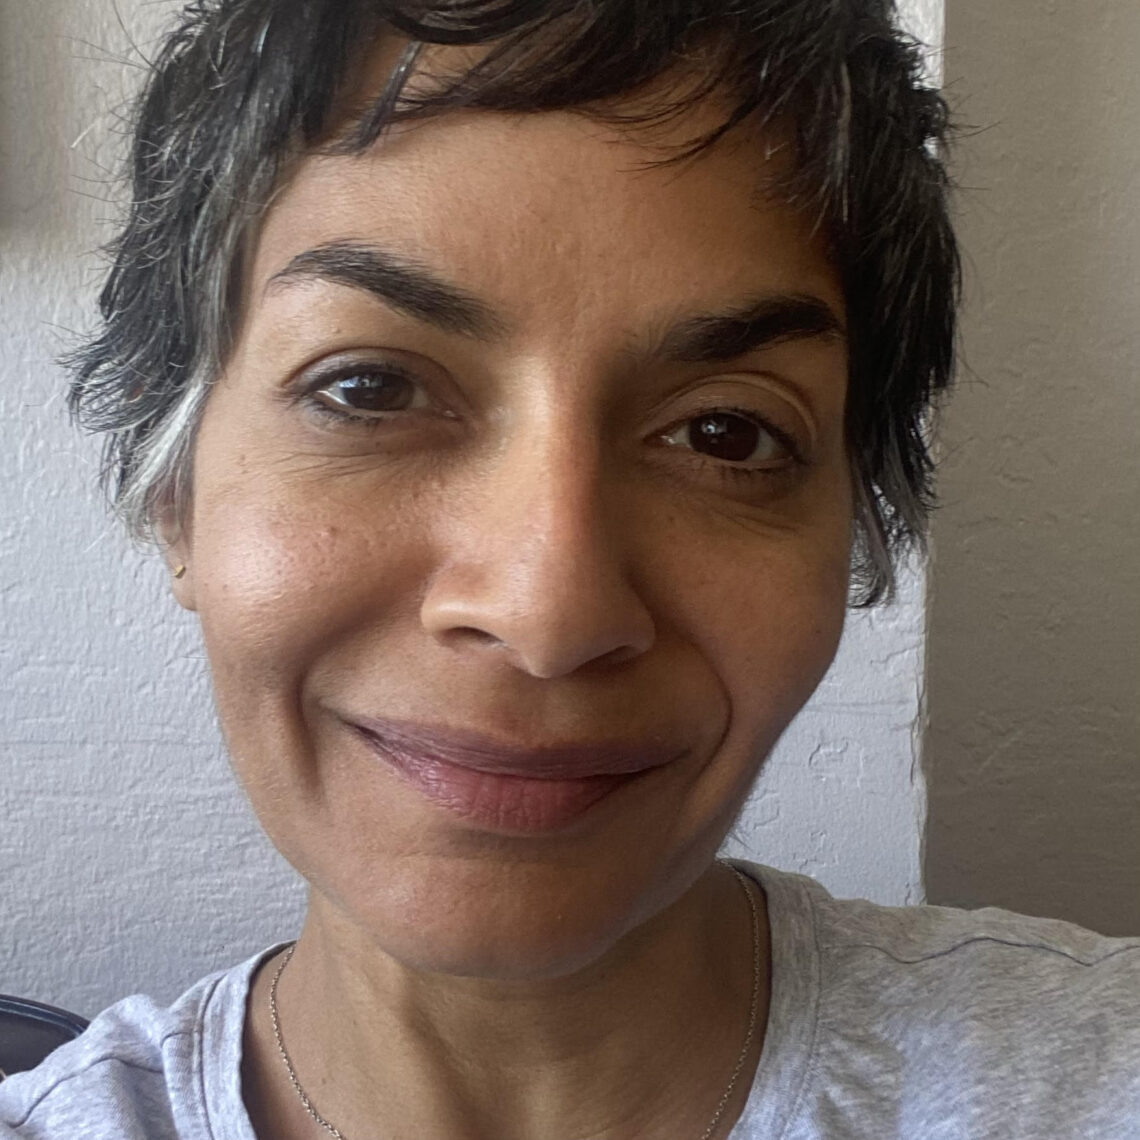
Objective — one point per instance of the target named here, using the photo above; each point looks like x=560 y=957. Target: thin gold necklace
x=334 y=1131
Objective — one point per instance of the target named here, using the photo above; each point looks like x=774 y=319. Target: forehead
x=558 y=213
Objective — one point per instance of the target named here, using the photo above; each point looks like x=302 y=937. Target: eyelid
x=307 y=388
x=789 y=394
x=327 y=396
x=740 y=393
x=331 y=369
x=787 y=441
x=422 y=371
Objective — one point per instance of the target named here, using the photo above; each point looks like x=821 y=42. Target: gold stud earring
x=180 y=572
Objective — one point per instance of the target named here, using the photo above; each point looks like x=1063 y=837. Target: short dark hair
x=240 y=87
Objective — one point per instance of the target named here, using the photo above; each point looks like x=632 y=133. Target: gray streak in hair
x=241 y=88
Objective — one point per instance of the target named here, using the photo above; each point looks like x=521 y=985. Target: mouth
x=502 y=787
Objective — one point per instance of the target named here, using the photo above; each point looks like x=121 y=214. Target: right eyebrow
x=400 y=282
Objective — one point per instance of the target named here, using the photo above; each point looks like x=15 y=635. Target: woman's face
x=522 y=439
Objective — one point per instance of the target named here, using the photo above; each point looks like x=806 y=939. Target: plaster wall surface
x=1033 y=753
x=129 y=861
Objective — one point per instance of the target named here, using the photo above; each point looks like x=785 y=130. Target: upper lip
x=468 y=748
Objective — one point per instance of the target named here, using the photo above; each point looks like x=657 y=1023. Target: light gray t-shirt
x=918 y=1023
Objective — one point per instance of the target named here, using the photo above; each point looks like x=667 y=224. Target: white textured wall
x=842 y=798
x=128 y=861
x=1034 y=671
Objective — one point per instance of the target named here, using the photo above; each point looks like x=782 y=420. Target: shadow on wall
x=1033 y=752
x=31 y=165
x=66 y=71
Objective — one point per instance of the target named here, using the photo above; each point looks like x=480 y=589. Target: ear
x=177 y=554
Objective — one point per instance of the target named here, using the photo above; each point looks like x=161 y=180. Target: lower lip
x=515 y=804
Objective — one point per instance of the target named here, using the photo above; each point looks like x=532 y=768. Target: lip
x=504 y=788
x=470 y=749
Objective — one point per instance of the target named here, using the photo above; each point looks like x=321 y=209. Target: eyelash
x=730 y=471
x=724 y=469
x=308 y=395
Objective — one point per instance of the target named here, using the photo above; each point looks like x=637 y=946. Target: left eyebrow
x=717 y=337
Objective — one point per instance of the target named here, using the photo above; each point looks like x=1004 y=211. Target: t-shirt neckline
x=221 y=1049
x=793 y=1006
x=780 y=1074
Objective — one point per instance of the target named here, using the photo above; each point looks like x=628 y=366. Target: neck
x=641 y=1042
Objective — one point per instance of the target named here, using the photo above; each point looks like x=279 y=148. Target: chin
x=529 y=949
x=488 y=923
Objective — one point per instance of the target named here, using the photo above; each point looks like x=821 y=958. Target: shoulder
x=113 y=1080
x=854 y=932
x=995 y=1023
x=989 y=958
x=140 y=1070
x=966 y=962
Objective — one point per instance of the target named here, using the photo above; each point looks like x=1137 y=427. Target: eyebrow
x=760 y=324
x=412 y=288
x=402 y=283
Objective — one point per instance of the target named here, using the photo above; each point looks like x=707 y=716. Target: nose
x=531 y=566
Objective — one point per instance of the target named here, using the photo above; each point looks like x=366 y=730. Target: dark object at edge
x=30 y=1030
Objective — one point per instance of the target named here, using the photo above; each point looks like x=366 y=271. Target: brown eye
x=372 y=391
x=731 y=437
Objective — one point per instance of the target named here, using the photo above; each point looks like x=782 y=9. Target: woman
x=509 y=386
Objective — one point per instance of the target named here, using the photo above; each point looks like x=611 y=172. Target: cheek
x=768 y=618
x=280 y=584
x=784 y=635
x=291 y=604
x=765 y=594
x=259 y=582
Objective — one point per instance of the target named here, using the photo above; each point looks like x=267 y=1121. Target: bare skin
x=585 y=1068
x=537 y=545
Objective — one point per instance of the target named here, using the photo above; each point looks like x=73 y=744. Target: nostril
x=475 y=636
x=618 y=656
